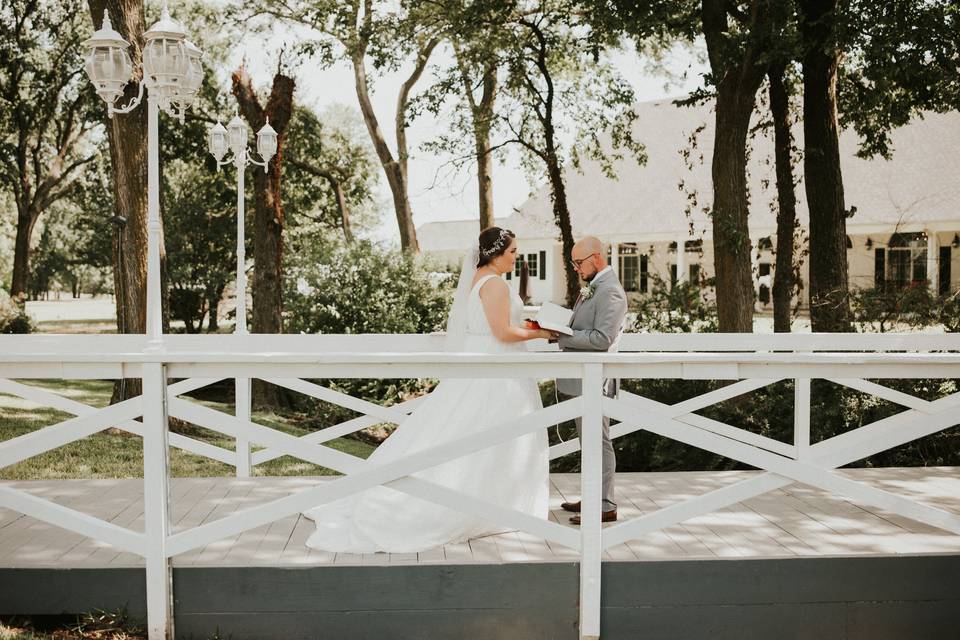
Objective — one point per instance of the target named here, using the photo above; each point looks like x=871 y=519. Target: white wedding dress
x=512 y=475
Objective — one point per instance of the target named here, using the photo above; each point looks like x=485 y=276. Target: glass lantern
x=165 y=60
x=194 y=78
x=217 y=141
x=267 y=142
x=107 y=63
x=237 y=135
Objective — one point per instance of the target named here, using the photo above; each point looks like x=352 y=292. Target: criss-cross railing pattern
x=294 y=362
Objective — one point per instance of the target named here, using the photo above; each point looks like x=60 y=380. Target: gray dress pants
x=609 y=458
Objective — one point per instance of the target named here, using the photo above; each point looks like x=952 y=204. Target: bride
x=485 y=318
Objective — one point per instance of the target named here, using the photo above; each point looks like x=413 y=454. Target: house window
x=695 y=275
x=518 y=266
x=532 y=263
x=543 y=265
x=673 y=276
x=629 y=267
x=906 y=260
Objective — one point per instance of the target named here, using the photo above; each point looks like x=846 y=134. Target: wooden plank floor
x=794 y=521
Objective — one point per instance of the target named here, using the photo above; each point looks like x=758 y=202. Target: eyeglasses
x=576 y=263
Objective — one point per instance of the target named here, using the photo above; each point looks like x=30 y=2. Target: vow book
x=553 y=317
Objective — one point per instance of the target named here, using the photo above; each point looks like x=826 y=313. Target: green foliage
x=335 y=144
x=13 y=318
x=891 y=309
x=363 y=287
x=949 y=312
x=683 y=308
x=902 y=60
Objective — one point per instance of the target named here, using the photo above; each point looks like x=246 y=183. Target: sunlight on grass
x=117 y=454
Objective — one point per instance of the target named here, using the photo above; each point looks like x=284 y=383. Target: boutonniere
x=586 y=292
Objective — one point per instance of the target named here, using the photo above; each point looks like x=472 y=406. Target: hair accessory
x=498 y=244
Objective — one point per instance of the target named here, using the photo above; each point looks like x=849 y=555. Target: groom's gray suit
x=597 y=323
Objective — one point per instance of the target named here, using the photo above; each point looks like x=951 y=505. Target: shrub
x=365 y=288
x=682 y=308
x=13 y=318
x=889 y=309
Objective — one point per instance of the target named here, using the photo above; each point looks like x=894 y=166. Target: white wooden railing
x=753 y=361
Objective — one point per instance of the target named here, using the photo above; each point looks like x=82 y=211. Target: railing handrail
x=134 y=345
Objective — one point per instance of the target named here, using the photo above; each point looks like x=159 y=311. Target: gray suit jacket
x=597 y=323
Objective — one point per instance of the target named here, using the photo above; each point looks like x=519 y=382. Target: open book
x=553 y=317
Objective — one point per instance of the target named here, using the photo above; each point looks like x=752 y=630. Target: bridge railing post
x=591 y=479
x=156 y=502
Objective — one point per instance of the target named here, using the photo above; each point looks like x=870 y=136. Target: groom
x=597 y=322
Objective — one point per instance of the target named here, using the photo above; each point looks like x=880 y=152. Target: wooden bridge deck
x=791 y=522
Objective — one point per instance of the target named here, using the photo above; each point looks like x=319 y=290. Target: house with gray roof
x=904 y=227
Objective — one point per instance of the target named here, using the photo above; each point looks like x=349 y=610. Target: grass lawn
x=119 y=455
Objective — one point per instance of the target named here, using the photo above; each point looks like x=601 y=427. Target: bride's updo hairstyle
x=494 y=242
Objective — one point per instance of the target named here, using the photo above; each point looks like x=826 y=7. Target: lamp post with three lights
x=172 y=73
x=221 y=141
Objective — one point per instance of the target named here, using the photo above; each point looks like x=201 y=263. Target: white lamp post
x=233 y=139
x=173 y=73
x=221 y=141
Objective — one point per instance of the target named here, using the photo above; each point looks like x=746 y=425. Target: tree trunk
x=482 y=119
x=268 y=219
x=395 y=168
x=481 y=114
x=213 y=302
x=342 y=208
x=395 y=177
x=731 y=236
x=21 y=256
x=561 y=215
x=783 y=275
x=127 y=136
x=829 y=295
x=738 y=71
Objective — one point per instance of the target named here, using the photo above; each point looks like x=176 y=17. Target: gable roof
x=919 y=184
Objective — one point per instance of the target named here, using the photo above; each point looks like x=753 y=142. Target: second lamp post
x=233 y=139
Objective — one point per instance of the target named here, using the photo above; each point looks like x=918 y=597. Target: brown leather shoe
x=605 y=516
x=571 y=506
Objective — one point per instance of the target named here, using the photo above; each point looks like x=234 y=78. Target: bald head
x=586 y=246
x=588 y=257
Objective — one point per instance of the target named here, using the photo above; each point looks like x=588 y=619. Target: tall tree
x=823 y=179
x=46 y=113
x=555 y=74
x=476 y=35
x=784 y=275
x=384 y=35
x=737 y=41
x=481 y=114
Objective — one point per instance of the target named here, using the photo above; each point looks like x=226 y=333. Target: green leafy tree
x=332 y=176
x=46 y=113
x=377 y=35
